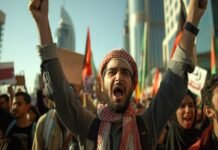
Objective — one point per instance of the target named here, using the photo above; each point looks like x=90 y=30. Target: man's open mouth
x=118 y=91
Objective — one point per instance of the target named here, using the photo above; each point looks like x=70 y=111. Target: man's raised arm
x=39 y=10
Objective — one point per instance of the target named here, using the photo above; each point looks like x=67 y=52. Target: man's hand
x=39 y=10
x=196 y=10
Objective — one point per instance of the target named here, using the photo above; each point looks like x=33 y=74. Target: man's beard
x=121 y=106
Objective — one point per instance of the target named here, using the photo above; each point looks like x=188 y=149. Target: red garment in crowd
x=206 y=142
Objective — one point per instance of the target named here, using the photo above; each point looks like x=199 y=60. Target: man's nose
x=118 y=76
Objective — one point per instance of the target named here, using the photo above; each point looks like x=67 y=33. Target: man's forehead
x=119 y=63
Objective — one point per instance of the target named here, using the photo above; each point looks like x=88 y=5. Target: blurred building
x=145 y=33
x=65 y=32
x=146 y=19
x=214 y=4
x=126 y=31
x=136 y=19
x=2 y=22
x=154 y=20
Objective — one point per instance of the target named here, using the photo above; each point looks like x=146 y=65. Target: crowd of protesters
x=108 y=117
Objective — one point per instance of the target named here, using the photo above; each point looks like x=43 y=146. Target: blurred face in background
x=19 y=107
x=4 y=104
x=215 y=101
x=199 y=113
x=32 y=116
x=186 y=113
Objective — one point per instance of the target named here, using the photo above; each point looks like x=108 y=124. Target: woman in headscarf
x=181 y=132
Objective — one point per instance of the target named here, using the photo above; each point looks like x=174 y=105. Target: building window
x=176 y=4
x=172 y=25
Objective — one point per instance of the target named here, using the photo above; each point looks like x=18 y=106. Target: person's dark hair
x=5 y=97
x=35 y=111
x=207 y=91
x=192 y=95
x=25 y=95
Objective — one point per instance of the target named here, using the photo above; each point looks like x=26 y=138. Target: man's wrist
x=191 y=28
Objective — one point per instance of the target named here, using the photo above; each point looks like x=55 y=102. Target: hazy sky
x=105 y=18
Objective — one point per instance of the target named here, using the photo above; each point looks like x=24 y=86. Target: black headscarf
x=179 y=138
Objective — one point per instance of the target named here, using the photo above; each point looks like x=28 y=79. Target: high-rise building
x=126 y=31
x=136 y=14
x=2 y=21
x=147 y=13
x=154 y=19
x=65 y=32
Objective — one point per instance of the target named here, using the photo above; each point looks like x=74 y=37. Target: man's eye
x=111 y=72
x=127 y=73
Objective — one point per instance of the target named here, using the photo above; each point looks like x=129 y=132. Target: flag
x=87 y=65
x=89 y=70
x=212 y=56
x=176 y=42
x=7 y=73
x=144 y=61
x=182 y=19
x=137 y=93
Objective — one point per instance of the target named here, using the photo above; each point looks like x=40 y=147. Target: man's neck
x=23 y=122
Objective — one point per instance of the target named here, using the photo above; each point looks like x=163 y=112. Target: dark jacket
x=78 y=119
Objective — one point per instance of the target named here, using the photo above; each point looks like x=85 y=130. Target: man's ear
x=209 y=112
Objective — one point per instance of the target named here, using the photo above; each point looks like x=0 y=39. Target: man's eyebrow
x=112 y=68
x=127 y=69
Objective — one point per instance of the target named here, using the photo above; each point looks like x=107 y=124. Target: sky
x=104 y=18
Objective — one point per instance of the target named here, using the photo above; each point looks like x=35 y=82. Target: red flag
x=212 y=56
x=87 y=65
x=7 y=73
x=88 y=73
x=176 y=42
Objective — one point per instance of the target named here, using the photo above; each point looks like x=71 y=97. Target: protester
x=5 y=115
x=33 y=114
x=42 y=102
x=4 y=102
x=115 y=125
x=51 y=134
x=181 y=132
x=209 y=138
x=201 y=121
x=21 y=130
x=139 y=108
x=5 y=119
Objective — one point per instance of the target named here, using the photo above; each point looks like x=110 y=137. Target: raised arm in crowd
x=116 y=126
